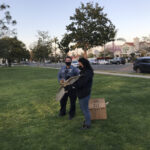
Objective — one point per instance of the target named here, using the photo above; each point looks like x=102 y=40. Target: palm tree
x=55 y=41
x=121 y=39
x=118 y=39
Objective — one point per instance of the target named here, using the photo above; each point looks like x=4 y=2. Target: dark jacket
x=84 y=84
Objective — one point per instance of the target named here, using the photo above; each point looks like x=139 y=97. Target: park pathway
x=123 y=74
x=111 y=73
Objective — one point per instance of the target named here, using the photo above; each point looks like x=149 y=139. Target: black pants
x=72 y=95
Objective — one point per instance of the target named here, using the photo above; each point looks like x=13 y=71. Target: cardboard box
x=97 y=109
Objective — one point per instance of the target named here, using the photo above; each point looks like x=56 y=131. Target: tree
x=133 y=57
x=6 y=21
x=90 y=27
x=90 y=55
x=55 y=42
x=64 y=45
x=121 y=39
x=147 y=49
x=12 y=49
x=43 y=47
x=146 y=38
x=106 y=53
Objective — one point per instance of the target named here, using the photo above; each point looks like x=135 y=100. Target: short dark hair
x=68 y=57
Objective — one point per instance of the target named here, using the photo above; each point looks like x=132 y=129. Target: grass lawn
x=29 y=113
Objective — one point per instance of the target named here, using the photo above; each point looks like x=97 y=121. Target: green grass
x=29 y=113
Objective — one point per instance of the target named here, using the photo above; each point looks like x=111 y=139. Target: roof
x=130 y=43
x=144 y=43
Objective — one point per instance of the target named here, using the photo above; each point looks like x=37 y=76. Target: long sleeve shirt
x=84 y=83
x=65 y=73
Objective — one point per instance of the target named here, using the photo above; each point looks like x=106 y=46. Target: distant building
x=136 y=43
x=135 y=47
x=127 y=48
x=115 y=49
x=123 y=50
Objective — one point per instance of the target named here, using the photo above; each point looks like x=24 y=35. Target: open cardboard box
x=97 y=108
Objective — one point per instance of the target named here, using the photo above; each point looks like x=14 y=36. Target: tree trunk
x=104 y=52
x=85 y=54
x=9 y=62
x=67 y=54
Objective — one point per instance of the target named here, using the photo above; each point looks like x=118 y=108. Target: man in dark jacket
x=64 y=74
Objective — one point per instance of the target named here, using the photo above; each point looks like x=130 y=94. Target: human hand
x=62 y=82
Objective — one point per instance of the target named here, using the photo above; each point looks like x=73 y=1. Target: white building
x=127 y=48
x=121 y=50
x=134 y=47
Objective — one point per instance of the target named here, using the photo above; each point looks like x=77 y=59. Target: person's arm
x=82 y=81
x=76 y=71
x=60 y=77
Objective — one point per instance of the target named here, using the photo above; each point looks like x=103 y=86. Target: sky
x=131 y=17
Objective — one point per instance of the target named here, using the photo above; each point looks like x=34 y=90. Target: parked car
x=2 y=64
x=93 y=61
x=23 y=62
x=142 y=64
x=47 y=62
x=118 y=60
x=75 y=63
x=103 y=61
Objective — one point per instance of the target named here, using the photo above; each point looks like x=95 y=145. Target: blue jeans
x=84 y=107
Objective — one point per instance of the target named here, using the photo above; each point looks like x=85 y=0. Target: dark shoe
x=62 y=114
x=71 y=117
x=83 y=122
x=85 y=127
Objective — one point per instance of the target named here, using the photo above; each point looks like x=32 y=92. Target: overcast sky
x=131 y=17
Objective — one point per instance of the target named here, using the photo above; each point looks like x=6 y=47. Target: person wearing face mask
x=83 y=86
x=65 y=73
